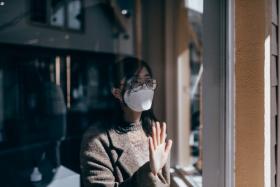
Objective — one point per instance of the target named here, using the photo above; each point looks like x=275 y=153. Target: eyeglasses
x=136 y=84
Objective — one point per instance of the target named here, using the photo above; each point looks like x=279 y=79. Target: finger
x=158 y=132
x=151 y=145
x=154 y=135
x=168 y=146
x=163 y=133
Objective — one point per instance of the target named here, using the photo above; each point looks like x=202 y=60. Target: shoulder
x=95 y=148
x=96 y=135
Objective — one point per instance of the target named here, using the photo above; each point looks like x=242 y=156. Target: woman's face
x=141 y=76
x=139 y=92
x=139 y=80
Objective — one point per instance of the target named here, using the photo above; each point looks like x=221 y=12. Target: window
x=63 y=14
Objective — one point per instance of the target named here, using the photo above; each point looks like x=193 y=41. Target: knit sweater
x=135 y=135
x=119 y=157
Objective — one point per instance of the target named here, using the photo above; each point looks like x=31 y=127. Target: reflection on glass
x=65 y=14
x=38 y=11
x=57 y=17
x=74 y=14
x=48 y=98
x=1 y=106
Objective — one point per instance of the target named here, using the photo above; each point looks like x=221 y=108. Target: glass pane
x=57 y=17
x=74 y=14
x=195 y=13
x=38 y=11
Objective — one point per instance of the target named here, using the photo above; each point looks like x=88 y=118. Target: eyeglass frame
x=128 y=84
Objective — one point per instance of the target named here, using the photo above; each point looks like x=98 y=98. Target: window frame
x=219 y=89
x=62 y=28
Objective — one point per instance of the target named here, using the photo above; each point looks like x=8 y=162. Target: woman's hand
x=158 y=148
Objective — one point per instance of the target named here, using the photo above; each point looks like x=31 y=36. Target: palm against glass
x=158 y=148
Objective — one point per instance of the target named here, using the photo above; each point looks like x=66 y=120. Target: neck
x=131 y=116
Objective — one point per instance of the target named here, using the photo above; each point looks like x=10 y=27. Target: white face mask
x=140 y=100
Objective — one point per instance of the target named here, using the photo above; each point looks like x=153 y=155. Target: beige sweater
x=112 y=158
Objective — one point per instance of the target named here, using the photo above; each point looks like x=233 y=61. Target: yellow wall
x=250 y=38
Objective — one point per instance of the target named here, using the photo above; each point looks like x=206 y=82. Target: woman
x=130 y=151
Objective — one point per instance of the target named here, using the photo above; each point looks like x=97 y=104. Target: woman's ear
x=117 y=93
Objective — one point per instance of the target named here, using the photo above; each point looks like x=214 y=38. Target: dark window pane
x=38 y=11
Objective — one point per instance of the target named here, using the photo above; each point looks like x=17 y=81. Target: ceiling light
x=124 y=12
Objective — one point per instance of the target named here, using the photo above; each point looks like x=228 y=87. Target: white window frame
x=218 y=94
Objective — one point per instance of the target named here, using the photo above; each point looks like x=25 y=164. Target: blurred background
x=56 y=64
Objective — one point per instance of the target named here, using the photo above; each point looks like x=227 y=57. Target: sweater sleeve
x=97 y=169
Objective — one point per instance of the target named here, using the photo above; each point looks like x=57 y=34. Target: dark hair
x=125 y=69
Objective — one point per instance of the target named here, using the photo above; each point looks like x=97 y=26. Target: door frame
x=218 y=91
x=230 y=93
x=218 y=94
